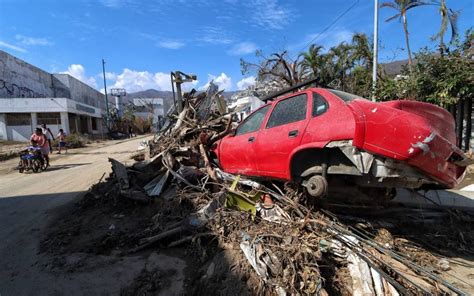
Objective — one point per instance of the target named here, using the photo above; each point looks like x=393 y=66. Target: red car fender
x=319 y=145
x=359 y=118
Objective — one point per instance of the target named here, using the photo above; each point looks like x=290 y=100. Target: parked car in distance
x=323 y=137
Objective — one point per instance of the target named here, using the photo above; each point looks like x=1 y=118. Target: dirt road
x=29 y=201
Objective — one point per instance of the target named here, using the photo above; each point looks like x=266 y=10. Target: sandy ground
x=29 y=201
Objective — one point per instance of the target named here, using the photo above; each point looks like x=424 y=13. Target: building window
x=94 y=124
x=49 y=118
x=18 y=119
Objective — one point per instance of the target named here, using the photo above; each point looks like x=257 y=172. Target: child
x=62 y=140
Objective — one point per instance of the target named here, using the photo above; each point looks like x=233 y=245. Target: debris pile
x=279 y=245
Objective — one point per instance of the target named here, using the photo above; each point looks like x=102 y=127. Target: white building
x=30 y=97
x=147 y=107
x=243 y=106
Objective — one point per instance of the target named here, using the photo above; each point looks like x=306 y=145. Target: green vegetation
x=75 y=140
x=443 y=76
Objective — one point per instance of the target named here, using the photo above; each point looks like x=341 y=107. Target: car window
x=319 y=105
x=289 y=110
x=346 y=97
x=253 y=122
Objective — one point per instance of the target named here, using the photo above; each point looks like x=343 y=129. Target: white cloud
x=214 y=35
x=243 y=48
x=77 y=71
x=171 y=44
x=109 y=75
x=12 y=47
x=26 y=40
x=222 y=81
x=134 y=81
x=270 y=14
x=244 y=83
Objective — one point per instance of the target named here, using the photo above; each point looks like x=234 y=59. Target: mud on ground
x=103 y=228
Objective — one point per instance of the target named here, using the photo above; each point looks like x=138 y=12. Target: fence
x=462 y=112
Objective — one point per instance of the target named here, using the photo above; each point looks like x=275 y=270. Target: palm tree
x=311 y=61
x=402 y=6
x=447 y=15
x=362 y=50
x=342 y=59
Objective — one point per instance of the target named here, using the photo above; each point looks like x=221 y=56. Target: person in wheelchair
x=29 y=155
x=42 y=141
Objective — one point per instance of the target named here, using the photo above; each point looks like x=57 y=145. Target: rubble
x=279 y=245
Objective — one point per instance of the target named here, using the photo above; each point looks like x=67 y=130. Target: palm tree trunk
x=405 y=28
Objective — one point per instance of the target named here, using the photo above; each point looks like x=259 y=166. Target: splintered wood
x=286 y=247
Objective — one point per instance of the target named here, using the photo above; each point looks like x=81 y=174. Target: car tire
x=317 y=186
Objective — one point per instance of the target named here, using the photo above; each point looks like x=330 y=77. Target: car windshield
x=346 y=97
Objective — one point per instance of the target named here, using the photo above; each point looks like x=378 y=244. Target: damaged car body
x=325 y=138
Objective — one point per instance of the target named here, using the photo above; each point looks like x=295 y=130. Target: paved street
x=28 y=201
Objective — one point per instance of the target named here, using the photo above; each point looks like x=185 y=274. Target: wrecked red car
x=323 y=136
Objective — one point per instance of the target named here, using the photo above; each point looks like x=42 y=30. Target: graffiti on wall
x=15 y=91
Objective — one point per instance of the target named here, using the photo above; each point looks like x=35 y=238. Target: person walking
x=49 y=135
x=42 y=142
x=62 y=140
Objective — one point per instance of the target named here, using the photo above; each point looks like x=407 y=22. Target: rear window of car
x=289 y=110
x=319 y=105
x=346 y=97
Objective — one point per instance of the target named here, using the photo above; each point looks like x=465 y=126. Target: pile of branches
x=287 y=246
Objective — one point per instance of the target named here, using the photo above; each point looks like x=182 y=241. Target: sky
x=143 y=40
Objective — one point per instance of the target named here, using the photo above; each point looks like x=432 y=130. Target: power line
x=331 y=24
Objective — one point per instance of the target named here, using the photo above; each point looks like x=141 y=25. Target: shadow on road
x=80 y=242
x=66 y=166
x=101 y=153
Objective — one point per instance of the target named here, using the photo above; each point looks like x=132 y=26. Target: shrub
x=73 y=141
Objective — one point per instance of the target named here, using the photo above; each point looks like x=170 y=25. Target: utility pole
x=106 y=99
x=376 y=41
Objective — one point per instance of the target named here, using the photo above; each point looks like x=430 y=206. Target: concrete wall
x=24 y=105
x=3 y=127
x=20 y=79
x=19 y=132
x=79 y=91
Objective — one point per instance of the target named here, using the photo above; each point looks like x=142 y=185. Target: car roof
x=345 y=96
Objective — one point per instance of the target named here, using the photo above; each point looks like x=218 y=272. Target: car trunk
x=417 y=133
x=440 y=120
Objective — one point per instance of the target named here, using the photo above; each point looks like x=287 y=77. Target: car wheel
x=317 y=186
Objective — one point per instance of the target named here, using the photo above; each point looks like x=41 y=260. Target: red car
x=320 y=136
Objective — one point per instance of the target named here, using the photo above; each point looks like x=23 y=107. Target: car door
x=282 y=133
x=237 y=152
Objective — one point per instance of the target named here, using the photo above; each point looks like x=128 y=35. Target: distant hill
x=394 y=68
x=167 y=96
